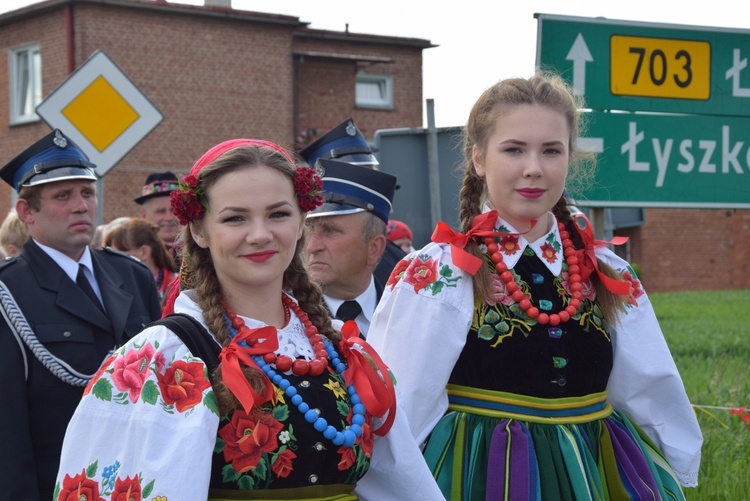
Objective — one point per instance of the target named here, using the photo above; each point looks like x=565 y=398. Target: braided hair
x=198 y=271
x=545 y=89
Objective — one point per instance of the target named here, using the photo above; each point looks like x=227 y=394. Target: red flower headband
x=189 y=203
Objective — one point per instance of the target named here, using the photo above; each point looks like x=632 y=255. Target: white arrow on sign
x=580 y=55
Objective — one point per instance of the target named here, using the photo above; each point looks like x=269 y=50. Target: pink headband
x=231 y=144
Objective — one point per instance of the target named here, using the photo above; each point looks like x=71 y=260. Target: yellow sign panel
x=660 y=67
x=100 y=113
x=102 y=110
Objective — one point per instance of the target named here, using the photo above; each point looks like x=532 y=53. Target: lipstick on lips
x=530 y=192
x=259 y=257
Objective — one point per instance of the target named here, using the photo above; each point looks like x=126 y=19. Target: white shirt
x=70 y=267
x=412 y=321
x=151 y=443
x=368 y=300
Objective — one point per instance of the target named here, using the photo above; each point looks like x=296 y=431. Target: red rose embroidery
x=366 y=439
x=282 y=467
x=420 y=273
x=79 y=487
x=247 y=437
x=128 y=489
x=508 y=245
x=636 y=290
x=98 y=375
x=548 y=252
x=499 y=292
x=397 y=272
x=132 y=369
x=182 y=385
x=587 y=287
x=348 y=458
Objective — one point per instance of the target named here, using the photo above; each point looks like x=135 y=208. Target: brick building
x=213 y=72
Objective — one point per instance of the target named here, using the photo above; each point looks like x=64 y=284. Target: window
x=25 y=83
x=374 y=91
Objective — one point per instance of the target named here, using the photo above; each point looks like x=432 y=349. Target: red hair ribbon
x=482 y=225
x=587 y=258
x=233 y=354
x=377 y=394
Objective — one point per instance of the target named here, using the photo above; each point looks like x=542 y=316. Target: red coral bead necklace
x=523 y=300
x=284 y=363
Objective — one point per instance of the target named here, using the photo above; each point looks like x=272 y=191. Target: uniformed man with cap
x=155 y=208
x=66 y=307
x=347 y=238
x=346 y=143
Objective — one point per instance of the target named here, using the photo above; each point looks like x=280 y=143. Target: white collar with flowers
x=548 y=247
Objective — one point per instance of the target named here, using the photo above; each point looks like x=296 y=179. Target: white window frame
x=378 y=91
x=25 y=83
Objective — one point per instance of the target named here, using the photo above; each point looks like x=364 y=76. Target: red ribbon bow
x=481 y=226
x=260 y=341
x=587 y=257
x=377 y=394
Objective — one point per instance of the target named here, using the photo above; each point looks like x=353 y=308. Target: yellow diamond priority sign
x=101 y=110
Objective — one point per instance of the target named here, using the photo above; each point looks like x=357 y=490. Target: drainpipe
x=69 y=34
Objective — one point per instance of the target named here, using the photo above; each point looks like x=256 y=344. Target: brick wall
x=691 y=249
x=211 y=77
x=326 y=94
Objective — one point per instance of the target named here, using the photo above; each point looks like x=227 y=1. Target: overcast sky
x=480 y=41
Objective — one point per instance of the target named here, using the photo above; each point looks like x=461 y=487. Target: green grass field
x=709 y=335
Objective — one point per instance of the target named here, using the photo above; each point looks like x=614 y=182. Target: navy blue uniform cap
x=55 y=157
x=344 y=142
x=348 y=189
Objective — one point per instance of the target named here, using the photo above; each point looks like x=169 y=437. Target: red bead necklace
x=284 y=363
x=524 y=301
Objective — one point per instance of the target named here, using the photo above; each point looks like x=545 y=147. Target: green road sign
x=648 y=160
x=635 y=66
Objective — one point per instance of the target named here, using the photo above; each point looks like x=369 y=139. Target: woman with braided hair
x=263 y=398
x=535 y=368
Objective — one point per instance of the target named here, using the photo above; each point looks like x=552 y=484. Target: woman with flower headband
x=535 y=368
x=293 y=410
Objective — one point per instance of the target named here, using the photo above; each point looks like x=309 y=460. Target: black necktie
x=348 y=310
x=84 y=284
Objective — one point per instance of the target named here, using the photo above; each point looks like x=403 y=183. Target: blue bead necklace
x=345 y=437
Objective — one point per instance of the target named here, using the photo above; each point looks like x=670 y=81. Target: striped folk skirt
x=503 y=446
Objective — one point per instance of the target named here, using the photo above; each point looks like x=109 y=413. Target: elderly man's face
x=157 y=211
x=337 y=256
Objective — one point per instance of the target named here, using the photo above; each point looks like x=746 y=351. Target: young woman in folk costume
x=535 y=368
x=291 y=412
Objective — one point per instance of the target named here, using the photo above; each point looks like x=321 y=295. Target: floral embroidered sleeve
x=427 y=302
x=132 y=422
x=644 y=373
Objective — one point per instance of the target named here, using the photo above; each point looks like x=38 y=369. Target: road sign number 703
x=660 y=67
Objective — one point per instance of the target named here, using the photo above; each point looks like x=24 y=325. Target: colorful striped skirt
x=494 y=445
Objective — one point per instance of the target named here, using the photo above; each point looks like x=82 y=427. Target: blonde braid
x=471 y=196
x=611 y=304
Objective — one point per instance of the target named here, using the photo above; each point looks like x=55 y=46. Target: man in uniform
x=66 y=307
x=155 y=208
x=347 y=238
x=346 y=143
